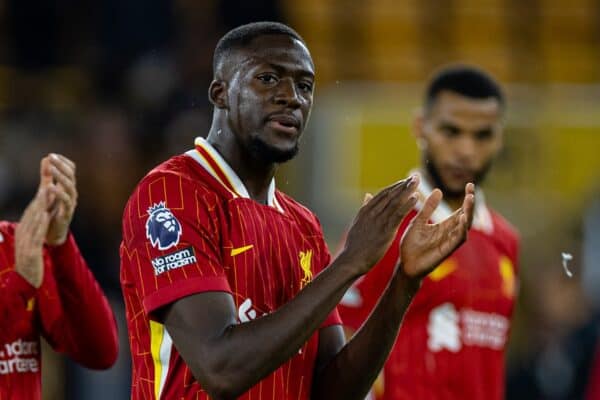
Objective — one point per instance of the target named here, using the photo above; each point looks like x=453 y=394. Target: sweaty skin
x=263 y=96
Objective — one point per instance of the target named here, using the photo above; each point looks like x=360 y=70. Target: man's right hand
x=377 y=222
x=31 y=233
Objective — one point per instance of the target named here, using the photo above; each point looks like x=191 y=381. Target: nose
x=466 y=148
x=287 y=93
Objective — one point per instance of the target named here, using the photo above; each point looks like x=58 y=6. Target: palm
x=425 y=245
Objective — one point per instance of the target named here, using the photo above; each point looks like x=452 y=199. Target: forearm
x=350 y=374
x=15 y=297
x=246 y=353
x=87 y=319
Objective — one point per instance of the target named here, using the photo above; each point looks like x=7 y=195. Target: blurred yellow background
x=120 y=85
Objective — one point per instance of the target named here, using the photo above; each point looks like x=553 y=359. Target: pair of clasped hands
x=47 y=218
x=424 y=245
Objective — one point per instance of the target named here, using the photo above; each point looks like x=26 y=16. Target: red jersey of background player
x=453 y=337
x=190 y=227
x=68 y=309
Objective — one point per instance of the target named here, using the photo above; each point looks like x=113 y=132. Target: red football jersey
x=453 y=337
x=69 y=310
x=190 y=227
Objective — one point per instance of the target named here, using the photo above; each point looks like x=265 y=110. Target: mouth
x=285 y=123
x=459 y=173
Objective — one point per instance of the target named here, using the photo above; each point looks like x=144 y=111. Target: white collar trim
x=232 y=177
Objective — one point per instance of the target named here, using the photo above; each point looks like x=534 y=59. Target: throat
x=453 y=202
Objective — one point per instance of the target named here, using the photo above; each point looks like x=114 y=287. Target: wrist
x=62 y=254
x=56 y=242
x=347 y=262
x=412 y=284
x=28 y=279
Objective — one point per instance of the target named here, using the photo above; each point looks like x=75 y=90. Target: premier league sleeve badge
x=162 y=227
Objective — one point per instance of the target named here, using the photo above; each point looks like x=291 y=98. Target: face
x=270 y=96
x=459 y=137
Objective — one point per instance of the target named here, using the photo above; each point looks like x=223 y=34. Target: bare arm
x=228 y=358
x=351 y=372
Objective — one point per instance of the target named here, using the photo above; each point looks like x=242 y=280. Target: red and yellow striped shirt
x=190 y=227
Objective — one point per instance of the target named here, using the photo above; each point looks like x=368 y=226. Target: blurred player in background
x=46 y=289
x=224 y=277
x=453 y=338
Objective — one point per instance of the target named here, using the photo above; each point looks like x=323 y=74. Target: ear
x=418 y=127
x=217 y=94
x=500 y=139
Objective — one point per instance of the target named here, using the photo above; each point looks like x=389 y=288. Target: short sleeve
x=171 y=241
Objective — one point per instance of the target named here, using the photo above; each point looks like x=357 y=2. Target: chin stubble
x=268 y=153
x=433 y=172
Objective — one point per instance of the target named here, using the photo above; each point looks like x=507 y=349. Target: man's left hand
x=425 y=245
x=63 y=191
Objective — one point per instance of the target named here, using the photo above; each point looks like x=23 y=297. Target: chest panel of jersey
x=268 y=255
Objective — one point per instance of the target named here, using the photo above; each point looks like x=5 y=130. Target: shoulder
x=302 y=214
x=505 y=235
x=173 y=181
x=177 y=195
x=503 y=228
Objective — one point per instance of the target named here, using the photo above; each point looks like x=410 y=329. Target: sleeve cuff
x=178 y=290
x=67 y=249
x=19 y=285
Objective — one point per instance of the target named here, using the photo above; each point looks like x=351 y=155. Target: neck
x=255 y=174
x=454 y=202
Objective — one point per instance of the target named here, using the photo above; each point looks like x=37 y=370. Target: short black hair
x=465 y=80
x=244 y=34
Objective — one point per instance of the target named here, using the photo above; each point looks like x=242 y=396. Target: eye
x=449 y=130
x=268 y=78
x=305 y=87
x=484 y=134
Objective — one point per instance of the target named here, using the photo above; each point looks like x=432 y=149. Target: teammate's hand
x=30 y=235
x=63 y=191
x=425 y=245
x=377 y=222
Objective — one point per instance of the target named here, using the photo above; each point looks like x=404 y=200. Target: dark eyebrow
x=280 y=68
x=449 y=125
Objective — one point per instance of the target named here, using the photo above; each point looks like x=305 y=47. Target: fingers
x=389 y=199
x=45 y=175
x=377 y=222
x=458 y=224
x=468 y=205
x=70 y=164
x=431 y=203
x=62 y=171
x=402 y=200
x=62 y=196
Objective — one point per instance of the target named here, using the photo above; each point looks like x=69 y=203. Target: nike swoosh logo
x=240 y=250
